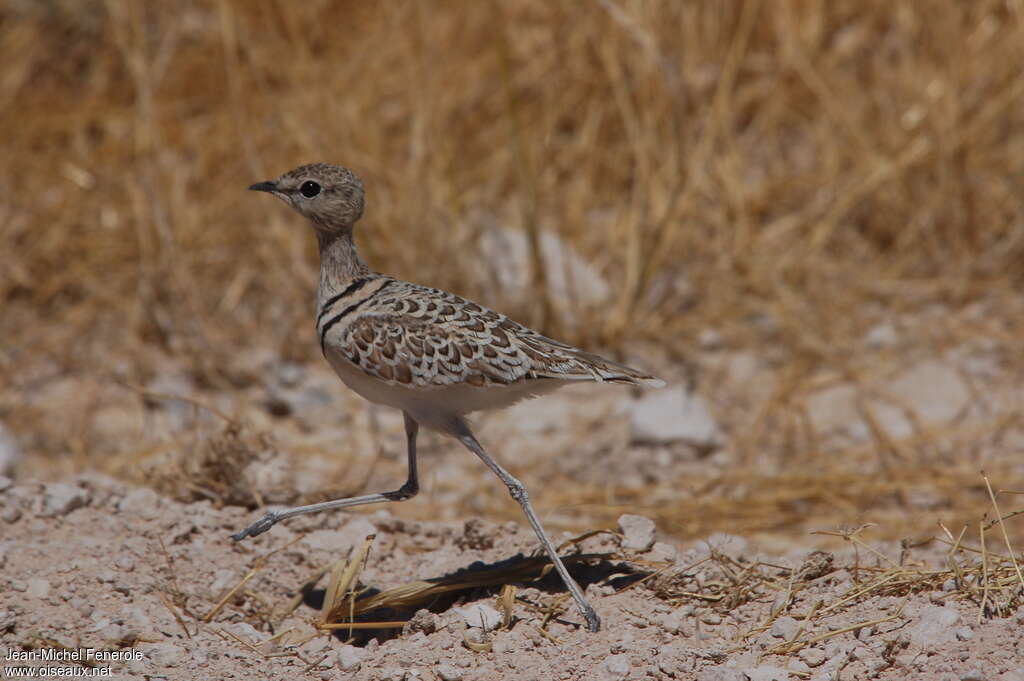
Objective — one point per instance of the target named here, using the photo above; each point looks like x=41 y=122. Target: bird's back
x=388 y=338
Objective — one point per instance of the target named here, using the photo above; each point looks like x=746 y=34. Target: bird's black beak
x=264 y=187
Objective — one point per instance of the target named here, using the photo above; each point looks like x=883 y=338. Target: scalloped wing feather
x=424 y=338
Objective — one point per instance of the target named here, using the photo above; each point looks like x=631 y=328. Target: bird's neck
x=340 y=264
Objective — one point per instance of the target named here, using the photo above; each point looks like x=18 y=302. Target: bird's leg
x=520 y=494
x=406 y=491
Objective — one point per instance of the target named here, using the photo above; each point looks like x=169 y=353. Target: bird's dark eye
x=309 y=189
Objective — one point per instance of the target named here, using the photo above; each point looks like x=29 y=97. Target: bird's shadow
x=604 y=569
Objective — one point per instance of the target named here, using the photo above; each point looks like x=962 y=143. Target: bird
x=434 y=355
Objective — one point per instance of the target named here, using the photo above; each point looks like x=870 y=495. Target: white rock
x=672 y=415
x=675 y=621
x=60 y=499
x=5 y=482
x=480 y=615
x=936 y=627
x=663 y=552
x=785 y=628
x=246 y=632
x=141 y=502
x=10 y=452
x=814 y=657
x=834 y=409
x=616 y=666
x=448 y=672
x=165 y=654
x=38 y=588
x=881 y=335
x=637 y=532
x=350 y=658
x=935 y=392
x=570 y=278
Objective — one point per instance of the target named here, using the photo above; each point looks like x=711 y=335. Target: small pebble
x=448 y=672
x=165 y=654
x=422 y=621
x=663 y=552
x=637 y=532
x=785 y=628
x=616 y=666
x=141 y=502
x=11 y=514
x=349 y=658
x=673 y=622
x=480 y=615
x=392 y=674
x=59 y=499
x=813 y=657
x=38 y=588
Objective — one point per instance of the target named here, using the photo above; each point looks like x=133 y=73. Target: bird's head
x=330 y=196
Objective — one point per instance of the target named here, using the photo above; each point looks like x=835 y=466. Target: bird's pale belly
x=435 y=407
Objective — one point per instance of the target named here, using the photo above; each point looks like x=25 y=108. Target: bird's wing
x=426 y=338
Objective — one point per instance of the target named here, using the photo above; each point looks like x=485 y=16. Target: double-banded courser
x=432 y=354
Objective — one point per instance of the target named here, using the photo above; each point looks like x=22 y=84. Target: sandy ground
x=844 y=558
x=91 y=562
x=848 y=560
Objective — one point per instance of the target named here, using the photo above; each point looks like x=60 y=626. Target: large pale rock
x=932 y=392
x=570 y=278
x=672 y=415
x=935 y=392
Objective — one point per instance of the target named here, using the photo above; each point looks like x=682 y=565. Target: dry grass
x=796 y=160
x=788 y=173
x=824 y=594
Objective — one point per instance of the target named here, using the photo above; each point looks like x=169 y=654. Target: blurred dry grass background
x=786 y=173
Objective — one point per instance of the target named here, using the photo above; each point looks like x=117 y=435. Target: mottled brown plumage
x=432 y=354
x=411 y=335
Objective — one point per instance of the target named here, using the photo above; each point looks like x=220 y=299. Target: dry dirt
x=851 y=561
x=91 y=562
